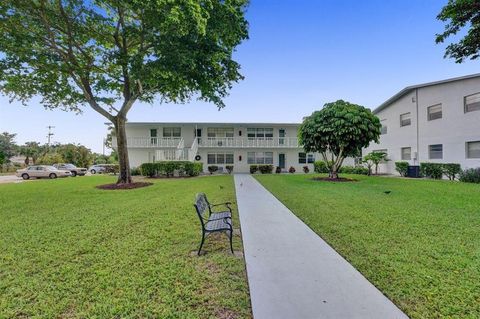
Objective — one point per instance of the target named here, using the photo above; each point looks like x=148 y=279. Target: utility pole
x=49 y=135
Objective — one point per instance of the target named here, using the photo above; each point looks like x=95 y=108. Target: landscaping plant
x=339 y=130
x=229 y=168
x=291 y=170
x=451 y=170
x=470 y=175
x=402 y=168
x=212 y=169
x=253 y=169
x=374 y=159
x=306 y=170
x=265 y=169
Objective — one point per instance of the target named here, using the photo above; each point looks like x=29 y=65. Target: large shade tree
x=339 y=130
x=109 y=54
x=461 y=16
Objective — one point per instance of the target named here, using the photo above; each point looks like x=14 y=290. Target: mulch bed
x=123 y=186
x=335 y=180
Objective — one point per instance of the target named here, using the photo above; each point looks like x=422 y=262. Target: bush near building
x=253 y=169
x=229 y=168
x=470 y=175
x=437 y=170
x=168 y=168
x=265 y=169
x=402 y=168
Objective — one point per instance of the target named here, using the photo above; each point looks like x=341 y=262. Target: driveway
x=4 y=179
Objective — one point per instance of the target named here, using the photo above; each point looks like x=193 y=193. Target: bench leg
x=231 y=244
x=201 y=244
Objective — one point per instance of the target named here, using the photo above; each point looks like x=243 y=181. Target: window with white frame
x=406 y=153
x=383 y=129
x=220 y=158
x=172 y=132
x=260 y=158
x=434 y=112
x=473 y=149
x=304 y=158
x=435 y=151
x=220 y=132
x=260 y=132
x=472 y=102
x=405 y=119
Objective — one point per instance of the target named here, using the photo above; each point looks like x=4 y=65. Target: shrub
x=451 y=170
x=291 y=170
x=167 y=168
x=212 y=169
x=50 y=159
x=253 y=169
x=471 y=175
x=306 y=170
x=320 y=167
x=402 y=168
x=229 y=168
x=265 y=169
x=359 y=170
x=135 y=171
x=431 y=170
x=278 y=170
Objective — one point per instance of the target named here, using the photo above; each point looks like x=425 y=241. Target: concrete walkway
x=292 y=272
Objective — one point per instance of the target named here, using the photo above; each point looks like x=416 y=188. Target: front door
x=281 y=135
x=281 y=160
x=198 y=134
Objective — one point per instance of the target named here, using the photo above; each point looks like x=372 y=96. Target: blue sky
x=300 y=55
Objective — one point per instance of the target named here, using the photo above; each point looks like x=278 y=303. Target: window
x=260 y=158
x=263 y=133
x=304 y=158
x=405 y=119
x=220 y=158
x=434 y=112
x=383 y=130
x=472 y=102
x=220 y=132
x=435 y=151
x=473 y=149
x=153 y=132
x=172 y=132
x=406 y=153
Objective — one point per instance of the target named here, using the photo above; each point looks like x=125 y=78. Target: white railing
x=234 y=142
x=153 y=141
x=172 y=155
x=192 y=152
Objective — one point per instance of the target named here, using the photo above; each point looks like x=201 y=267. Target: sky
x=300 y=55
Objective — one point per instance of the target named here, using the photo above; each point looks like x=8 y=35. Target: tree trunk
x=124 y=176
x=376 y=169
x=333 y=174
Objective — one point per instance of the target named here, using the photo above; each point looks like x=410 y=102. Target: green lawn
x=420 y=244
x=69 y=250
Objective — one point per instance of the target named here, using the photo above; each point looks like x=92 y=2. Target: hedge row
x=264 y=169
x=168 y=168
x=437 y=170
x=321 y=167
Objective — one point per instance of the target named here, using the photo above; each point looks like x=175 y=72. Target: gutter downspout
x=418 y=150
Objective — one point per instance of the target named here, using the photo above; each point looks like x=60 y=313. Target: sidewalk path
x=292 y=272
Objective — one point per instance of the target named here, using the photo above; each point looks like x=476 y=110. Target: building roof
x=408 y=89
x=212 y=123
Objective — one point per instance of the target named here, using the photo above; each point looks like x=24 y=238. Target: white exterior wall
x=453 y=130
x=139 y=155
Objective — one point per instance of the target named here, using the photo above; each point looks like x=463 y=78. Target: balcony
x=233 y=142
x=153 y=142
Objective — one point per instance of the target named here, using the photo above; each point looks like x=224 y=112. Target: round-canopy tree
x=109 y=54
x=337 y=131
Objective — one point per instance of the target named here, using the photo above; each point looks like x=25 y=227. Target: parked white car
x=42 y=171
x=97 y=169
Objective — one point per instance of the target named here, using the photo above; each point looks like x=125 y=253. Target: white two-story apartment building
x=220 y=144
x=435 y=122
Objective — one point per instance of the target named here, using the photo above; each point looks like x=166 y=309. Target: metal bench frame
x=211 y=221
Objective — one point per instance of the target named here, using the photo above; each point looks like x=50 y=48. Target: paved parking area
x=292 y=272
x=10 y=179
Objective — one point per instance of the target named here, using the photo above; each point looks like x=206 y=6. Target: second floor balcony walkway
x=214 y=142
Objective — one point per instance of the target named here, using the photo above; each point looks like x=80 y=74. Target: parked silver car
x=80 y=171
x=42 y=171
x=97 y=169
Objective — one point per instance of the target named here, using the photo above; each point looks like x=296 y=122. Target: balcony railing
x=155 y=142
x=233 y=142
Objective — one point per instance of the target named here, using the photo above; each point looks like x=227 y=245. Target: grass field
x=69 y=250
x=420 y=244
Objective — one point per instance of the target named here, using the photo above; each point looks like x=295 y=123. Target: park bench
x=213 y=221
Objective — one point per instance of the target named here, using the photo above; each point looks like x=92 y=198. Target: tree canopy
x=461 y=15
x=8 y=148
x=108 y=54
x=339 y=130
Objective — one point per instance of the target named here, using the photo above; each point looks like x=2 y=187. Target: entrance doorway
x=281 y=160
